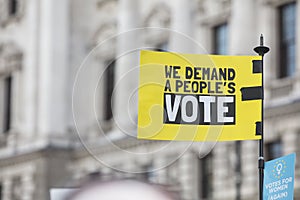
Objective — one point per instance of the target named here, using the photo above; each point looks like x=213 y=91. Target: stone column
x=250 y=170
x=161 y=172
x=28 y=186
x=28 y=77
x=289 y=140
x=6 y=194
x=223 y=176
x=126 y=81
x=242 y=28
x=182 y=27
x=53 y=65
x=188 y=180
x=267 y=24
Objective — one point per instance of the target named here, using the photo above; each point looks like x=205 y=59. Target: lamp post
x=261 y=50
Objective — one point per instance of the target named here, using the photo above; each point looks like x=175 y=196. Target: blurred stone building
x=68 y=93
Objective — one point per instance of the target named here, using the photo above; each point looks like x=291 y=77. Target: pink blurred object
x=121 y=190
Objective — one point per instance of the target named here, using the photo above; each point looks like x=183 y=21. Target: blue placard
x=279 y=178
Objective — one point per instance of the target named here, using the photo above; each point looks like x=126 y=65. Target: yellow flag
x=199 y=97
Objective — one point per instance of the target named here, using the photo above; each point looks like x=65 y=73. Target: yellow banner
x=199 y=97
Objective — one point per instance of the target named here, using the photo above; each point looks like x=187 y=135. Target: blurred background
x=68 y=93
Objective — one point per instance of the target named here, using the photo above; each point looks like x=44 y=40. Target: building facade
x=68 y=93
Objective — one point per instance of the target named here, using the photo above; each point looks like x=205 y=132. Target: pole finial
x=261 y=50
x=261 y=40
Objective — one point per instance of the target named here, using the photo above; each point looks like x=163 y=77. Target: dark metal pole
x=261 y=50
x=238 y=170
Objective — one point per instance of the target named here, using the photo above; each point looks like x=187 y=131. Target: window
x=109 y=87
x=273 y=150
x=220 y=39
x=147 y=174
x=162 y=47
x=206 y=177
x=10 y=10
x=10 y=65
x=12 y=7
x=7 y=103
x=1 y=191
x=94 y=176
x=287 y=39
